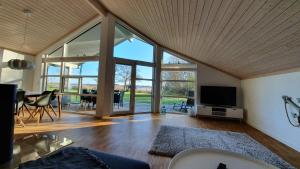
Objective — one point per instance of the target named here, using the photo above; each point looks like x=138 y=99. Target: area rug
x=171 y=140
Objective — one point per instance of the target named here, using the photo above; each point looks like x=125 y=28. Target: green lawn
x=140 y=97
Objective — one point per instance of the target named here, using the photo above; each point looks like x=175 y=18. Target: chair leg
x=19 y=110
x=22 y=107
x=44 y=109
x=52 y=110
x=20 y=121
x=30 y=114
x=40 y=116
x=33 y=114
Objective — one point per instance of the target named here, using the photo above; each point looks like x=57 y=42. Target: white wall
x=37 y=84
x=24 y=78
x=209 y=76
x=265 y=109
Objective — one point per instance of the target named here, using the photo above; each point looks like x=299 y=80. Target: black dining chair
x=42 y=105
x=53 y=97
x=117 y=99
x=94 y=98
x=22 y=101
x=85 y=100
x=19 y=106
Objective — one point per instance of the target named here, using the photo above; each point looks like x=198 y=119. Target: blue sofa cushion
x=68 y=158
x=83 y=158
x=117 y=162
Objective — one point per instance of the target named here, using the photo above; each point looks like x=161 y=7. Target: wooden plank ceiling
x=243 y=37
x=50 y=20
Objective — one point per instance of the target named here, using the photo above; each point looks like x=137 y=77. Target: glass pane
x=52 y=83
x=90 y=84
x=57 y=53
x=122 y=88
x=143 y=96
x=171 y=59
x=71 y=85
x=178 y=75
x=53 y=68
x=144 y=72
x=178 y=89
x=89 y=68
x=79 y=104
x=130 y=46
x=176 y=104
x=87 y=44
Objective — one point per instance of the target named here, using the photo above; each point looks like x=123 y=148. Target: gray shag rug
x=171 y=140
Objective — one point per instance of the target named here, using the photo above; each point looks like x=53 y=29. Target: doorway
x=132 y=88
x=123 y=91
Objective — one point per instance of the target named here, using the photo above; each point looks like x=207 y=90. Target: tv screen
x=218 y=95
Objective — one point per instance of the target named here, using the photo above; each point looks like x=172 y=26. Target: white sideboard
x=215 y=111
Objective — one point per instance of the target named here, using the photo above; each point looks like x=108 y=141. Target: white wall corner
x=265 y=106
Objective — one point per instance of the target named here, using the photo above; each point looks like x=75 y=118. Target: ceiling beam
x=98 y=7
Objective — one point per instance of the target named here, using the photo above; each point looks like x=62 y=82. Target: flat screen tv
x=218 y=96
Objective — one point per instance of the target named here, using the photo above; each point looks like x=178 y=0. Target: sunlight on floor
x=75 y=121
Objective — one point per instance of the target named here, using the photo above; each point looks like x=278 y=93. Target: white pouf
x=210 y=159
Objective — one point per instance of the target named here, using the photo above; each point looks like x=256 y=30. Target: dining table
x=35 y=94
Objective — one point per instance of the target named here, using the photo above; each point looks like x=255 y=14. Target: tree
x=177 y=88
x=123 y=74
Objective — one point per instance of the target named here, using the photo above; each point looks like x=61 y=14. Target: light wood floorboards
x=132 y=136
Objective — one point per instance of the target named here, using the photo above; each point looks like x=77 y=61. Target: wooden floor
x=132 y=136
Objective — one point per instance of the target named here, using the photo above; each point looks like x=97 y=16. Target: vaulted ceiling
x=50 y=20
x=242 y=37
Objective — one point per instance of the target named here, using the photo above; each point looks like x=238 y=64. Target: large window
x=132 y=53
x=76 y=77
x=57 y=53
x=143 y=89
x=52 y=76
x=86 y=44
x=79 y=85
x=178 y=78
x=130 y=46
x=80 y=76
x=73 y=69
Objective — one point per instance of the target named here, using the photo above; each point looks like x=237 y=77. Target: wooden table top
x=37 y=94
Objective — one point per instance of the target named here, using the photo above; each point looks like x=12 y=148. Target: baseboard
x=288 y=144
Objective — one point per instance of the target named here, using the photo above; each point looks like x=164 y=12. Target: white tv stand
x=218 y=111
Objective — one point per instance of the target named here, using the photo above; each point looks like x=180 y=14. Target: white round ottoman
x=211 y=158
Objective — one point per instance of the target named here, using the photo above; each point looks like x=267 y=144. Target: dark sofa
x=117 y=162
